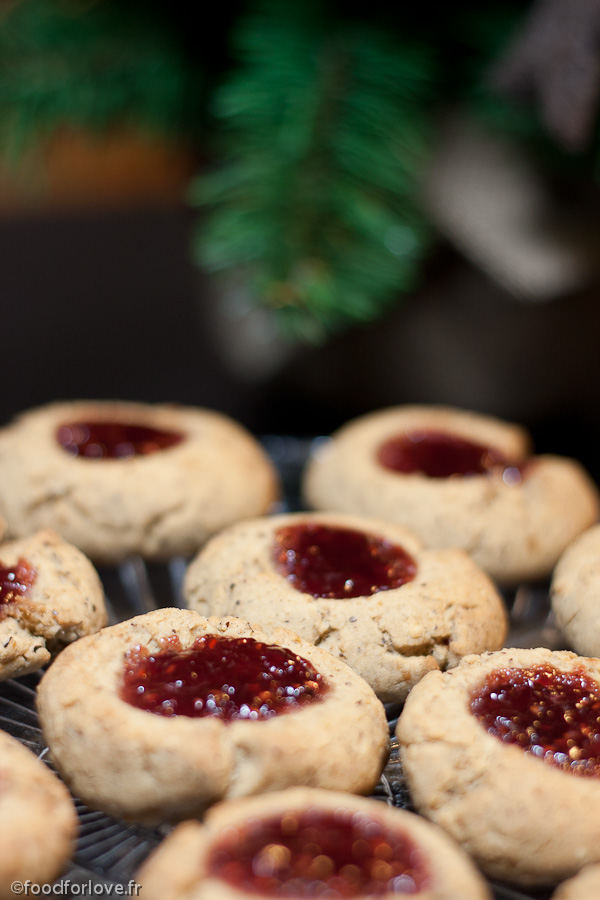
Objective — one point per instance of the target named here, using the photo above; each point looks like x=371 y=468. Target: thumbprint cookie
x=38 y=822
x=457 y=479
x=360 y=588
x=119 y=478
x=503 y=752
x=50 y=596
x=583 y=886
x=306 y=842
x=158 y=717
x=575 y=593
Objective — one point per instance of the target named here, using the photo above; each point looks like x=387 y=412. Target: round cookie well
x=110 y=851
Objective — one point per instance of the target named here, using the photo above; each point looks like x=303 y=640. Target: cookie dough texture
x=513 y=531
x=38 y=822
x=159 y=505
x=64 y=603
x=177 y=870
x=148 y=768
x=521 y=819
x=584 y=886
x=391 y=638
x=575 y=593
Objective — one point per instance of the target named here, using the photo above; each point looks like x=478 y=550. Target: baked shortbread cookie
x=583 y=886
x=575 y=593
x=158 y=717
x=309 y=843
x=121 y=478
x=460 y=479
x=50 y=596
x=38 y=822
x=362 y=589
x=504 y=753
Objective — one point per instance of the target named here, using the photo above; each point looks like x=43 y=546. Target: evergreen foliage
x=322 y=126
x=323 y=133
x=89 y=65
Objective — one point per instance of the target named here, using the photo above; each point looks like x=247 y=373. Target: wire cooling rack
x=110 y=851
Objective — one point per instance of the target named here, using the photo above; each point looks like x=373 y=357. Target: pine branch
x=88 y=65
x=323 y=137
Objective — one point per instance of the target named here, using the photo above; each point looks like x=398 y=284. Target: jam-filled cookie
x=38 y=822
x=457 y=479
x=309 y=843
x=120 y=478
x=362 y=589
x=583 y=886
x=575 y=593
x=504 y=753
x=158 y=717
x=50 y=596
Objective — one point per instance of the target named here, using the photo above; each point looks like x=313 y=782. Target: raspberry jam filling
x=114 y=440
x=227 y=678
x=337 y=563
x=550 y=714
x=441 y=455
x=318 y=853
x=15 y=581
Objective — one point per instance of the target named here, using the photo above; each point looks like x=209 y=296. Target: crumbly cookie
x=38 y=822
x=584 y=886
x=146 y=767
x=514 y=513
x=490 y=752
x=575 y=590
x=193 y=472
x=50 y=596
x=391 y=637
x=249 y=848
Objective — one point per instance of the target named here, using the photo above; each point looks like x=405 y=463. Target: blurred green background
x=296 y=213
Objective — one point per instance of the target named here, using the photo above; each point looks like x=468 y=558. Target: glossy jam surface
x=318 y=853
x=15 y=581
x=114 y=440
x=550 y=714
x=441 y=455
x=338 y=563
x=226 y=678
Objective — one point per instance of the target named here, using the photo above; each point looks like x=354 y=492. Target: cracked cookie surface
x=64 y=602
x=575 y=590
x=182 y=867
x=514 y=528
x=523 y=819
x=150 y=768
x=159 y=504
x=391 y=638
x=38 y=822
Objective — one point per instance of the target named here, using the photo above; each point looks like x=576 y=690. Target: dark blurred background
x=151 y=248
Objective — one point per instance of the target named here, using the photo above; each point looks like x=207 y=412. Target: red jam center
x=114 y=440
x=550 y=714
x=15 y=581
x=318 y=853
x=440 y=455
x=227 y=678
x=339 y=562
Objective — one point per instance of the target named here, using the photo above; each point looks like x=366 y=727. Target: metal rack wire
x=110 y=851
